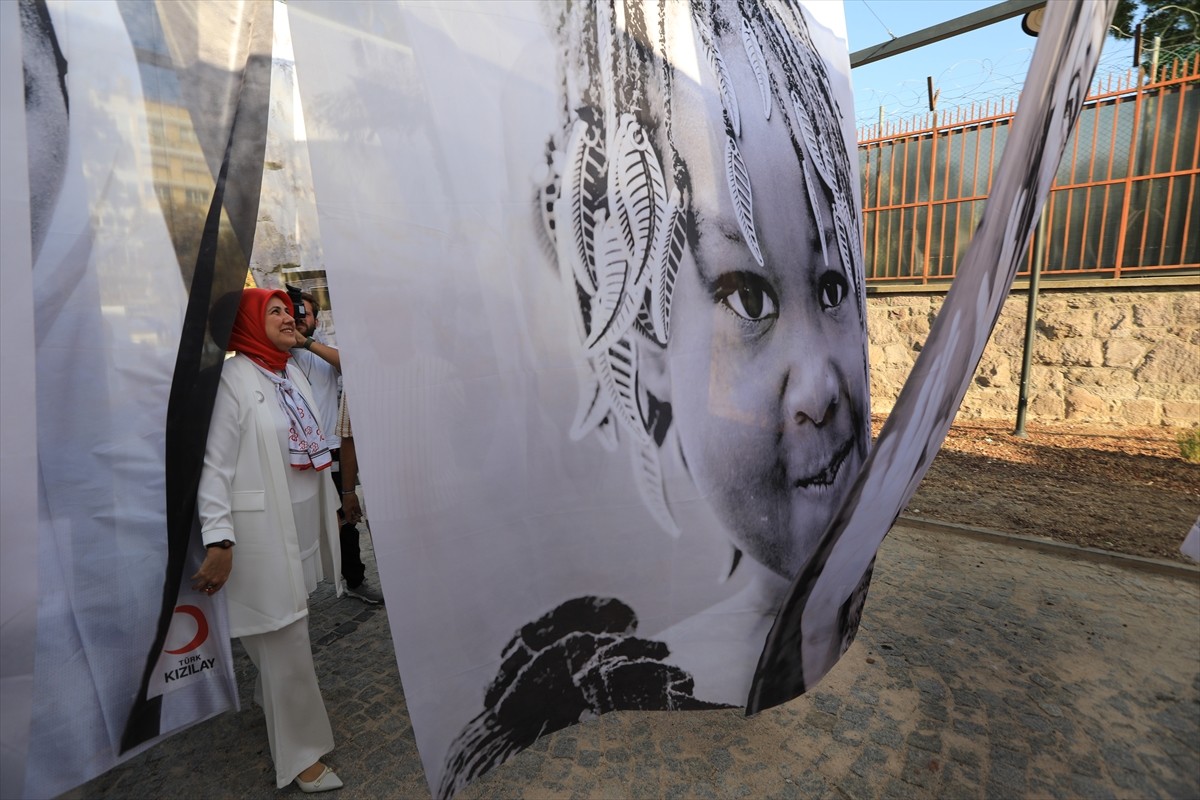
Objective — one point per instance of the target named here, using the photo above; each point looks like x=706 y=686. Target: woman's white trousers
x=298 y=728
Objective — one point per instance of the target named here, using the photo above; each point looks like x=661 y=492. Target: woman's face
x=280 y=326
x=766 y=363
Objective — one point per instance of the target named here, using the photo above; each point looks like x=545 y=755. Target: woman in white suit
x=268 y=520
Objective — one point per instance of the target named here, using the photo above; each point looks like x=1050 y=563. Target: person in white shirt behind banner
x=321 y=363
x=268 y=521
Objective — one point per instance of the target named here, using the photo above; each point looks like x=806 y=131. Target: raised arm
x=321 y=350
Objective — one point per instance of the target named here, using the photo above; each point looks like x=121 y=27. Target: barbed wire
x=974 y=82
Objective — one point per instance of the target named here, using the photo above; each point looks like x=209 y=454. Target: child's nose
x=811 y=394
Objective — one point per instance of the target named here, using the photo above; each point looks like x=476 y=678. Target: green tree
x=1176 y=22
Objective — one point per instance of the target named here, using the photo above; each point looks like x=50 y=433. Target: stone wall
x=1101 y=355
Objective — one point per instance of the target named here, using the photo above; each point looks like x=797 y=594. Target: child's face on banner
x=45 y=120
x=766 y=363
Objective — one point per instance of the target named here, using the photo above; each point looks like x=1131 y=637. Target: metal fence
x=1124 y=201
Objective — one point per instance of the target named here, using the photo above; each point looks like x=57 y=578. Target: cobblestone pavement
x=981 y=670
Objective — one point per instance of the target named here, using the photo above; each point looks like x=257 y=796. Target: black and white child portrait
x=697 y=205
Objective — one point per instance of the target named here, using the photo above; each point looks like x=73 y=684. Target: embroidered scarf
x=306 y=443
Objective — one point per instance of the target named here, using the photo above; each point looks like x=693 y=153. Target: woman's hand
x=214 y=572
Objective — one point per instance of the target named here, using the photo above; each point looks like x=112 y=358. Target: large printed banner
x=598 y=277
x=135 y=131
x=598 y=282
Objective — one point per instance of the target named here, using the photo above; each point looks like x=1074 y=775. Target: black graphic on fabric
x=576 y=662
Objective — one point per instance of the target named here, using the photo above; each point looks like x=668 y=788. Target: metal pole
x=943 y=30
x=1035 y=274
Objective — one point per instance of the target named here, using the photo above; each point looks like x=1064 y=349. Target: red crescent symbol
x=201 y=630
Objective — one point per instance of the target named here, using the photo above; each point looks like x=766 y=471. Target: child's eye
x=747 y=295
x=831 y=289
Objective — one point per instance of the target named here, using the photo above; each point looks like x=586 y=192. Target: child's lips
x=825 y=474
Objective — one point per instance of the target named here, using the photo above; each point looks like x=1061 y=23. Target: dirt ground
x=1122 y=489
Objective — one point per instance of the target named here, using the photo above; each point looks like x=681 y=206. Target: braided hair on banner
x=614 y=198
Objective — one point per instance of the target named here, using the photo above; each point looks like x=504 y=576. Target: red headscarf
x=249 y=335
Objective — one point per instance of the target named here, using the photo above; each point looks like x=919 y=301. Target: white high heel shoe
x=327 y=781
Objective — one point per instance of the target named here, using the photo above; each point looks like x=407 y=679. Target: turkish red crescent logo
x=201 y=630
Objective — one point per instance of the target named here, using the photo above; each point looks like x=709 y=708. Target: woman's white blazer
x=244 y=497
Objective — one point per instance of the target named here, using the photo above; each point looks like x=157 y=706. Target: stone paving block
x=869 y=697
x=1134 y=782
x=916 y=659
x=1084 y=764
x=930 y=742
x=969 y=728
x=855 y=787
x=1009 y=779
x=932 y=687
x=617 y=755
x=963 y=774
x=564 y=747
x=868 y=761
x=1064 y=726
x=1009 y=758
x=1116 y=756
x=640 y=791
x=1084 y=786
x=887 y=736
x=902 y=790
x=935 y=713
x=959 y=791
x=1039 y=788
x=809 y=783
x=819 y=720
x=921 y=768
x=1177 y=785
x=1010 y=733
x=856 y=715
x=705 y=791
x=962 y=755
x=828 y=703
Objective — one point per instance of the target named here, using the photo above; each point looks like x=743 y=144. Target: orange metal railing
x=1124 y=201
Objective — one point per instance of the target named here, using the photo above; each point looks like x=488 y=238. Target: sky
x=973 y=67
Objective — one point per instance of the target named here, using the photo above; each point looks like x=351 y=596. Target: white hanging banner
x=134 y=113
x=598 y=285
x=18 y=534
